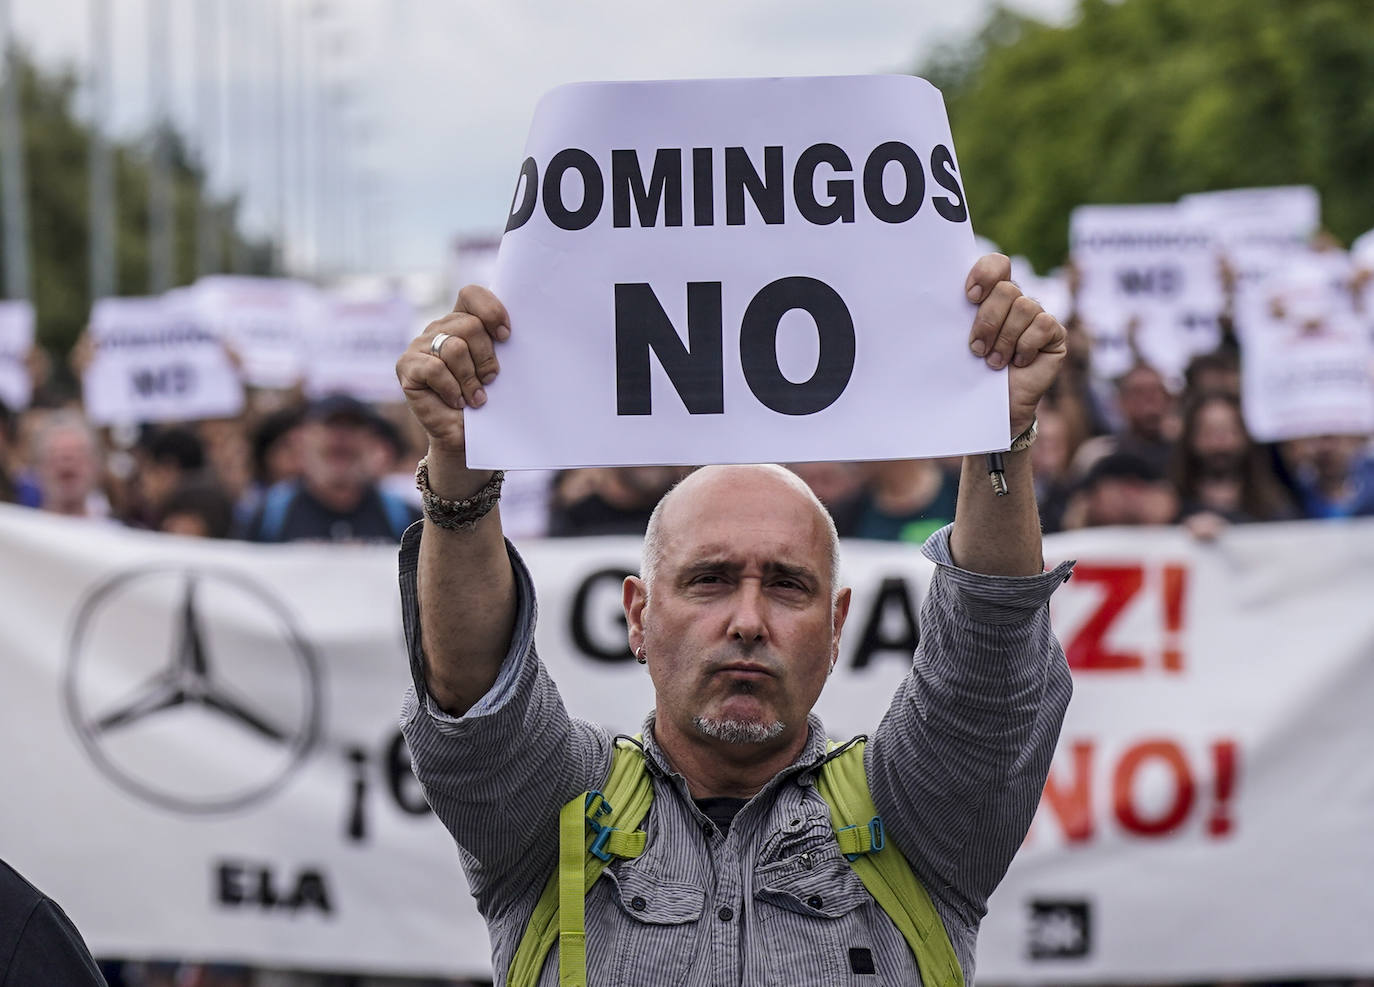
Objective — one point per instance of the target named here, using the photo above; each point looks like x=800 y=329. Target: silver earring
x=640 y=656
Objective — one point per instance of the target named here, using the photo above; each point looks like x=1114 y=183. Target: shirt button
x=638 y=903
x=706 y=830
x=814 y=901
x=725 y=914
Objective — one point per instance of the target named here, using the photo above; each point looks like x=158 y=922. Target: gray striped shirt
x=955 y=767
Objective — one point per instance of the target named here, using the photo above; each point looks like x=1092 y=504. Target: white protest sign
x=263 y=320
x=1257 y=230
x=1148 y=269
x=355 y=346
x=738 y=270
x=16 y=339
x=1300 y=382
x=155 y=362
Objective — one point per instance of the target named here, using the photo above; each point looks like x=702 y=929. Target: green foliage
x=1147 y=100
x=56 y=161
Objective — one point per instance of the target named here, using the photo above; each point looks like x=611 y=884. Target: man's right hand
x=464 y=581
x=438 y=388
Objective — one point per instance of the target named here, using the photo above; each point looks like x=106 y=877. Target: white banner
x=203 y=740
x=155 y=361
x=265 y=321
x=696 y=272
x=16 y=339
x=355 y=344
x=1151 y=270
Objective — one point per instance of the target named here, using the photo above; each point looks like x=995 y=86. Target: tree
x=57 y=156
x=1146 y=100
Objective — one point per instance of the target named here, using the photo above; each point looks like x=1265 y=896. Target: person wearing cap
x=336 y=498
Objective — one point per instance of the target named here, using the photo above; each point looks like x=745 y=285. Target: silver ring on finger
x=437 y=343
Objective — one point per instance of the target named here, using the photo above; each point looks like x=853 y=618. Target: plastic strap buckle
x=598 y=806
x=877 y=838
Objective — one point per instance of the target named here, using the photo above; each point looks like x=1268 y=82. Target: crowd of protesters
x=1140 y=449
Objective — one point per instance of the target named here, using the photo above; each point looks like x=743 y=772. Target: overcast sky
x=438 y=93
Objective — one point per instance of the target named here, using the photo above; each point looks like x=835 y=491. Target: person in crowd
x=336 y=498
x=1052 y=459
x=275 y=450
x=1219 y=470
x=840 y=487
x=609 y=501
x=1122 y=489
x=1334 y=475
x=1215 y=372
x=67 y=466
x=38 y=942
x=905 y=500
x=1149 y=422
x=197 y=507
x=165 y=458
x=1076 y=391
x=737 y=616
x=9 y=434
x=228 y=454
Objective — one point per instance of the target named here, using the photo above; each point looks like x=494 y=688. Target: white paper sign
x=1257 y=230
x=738 y=270
x=264 y=320
x=16 y=339
x=155 y=361
x=355 y=347
x=1300 y=383
x=1148 y=269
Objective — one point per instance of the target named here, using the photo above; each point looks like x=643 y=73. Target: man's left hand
x=1011 y=329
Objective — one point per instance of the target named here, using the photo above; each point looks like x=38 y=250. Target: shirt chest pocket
x=656 y=925
x=816 y=921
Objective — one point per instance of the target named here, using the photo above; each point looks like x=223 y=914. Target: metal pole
x=229 y=107
x=207 y=103
x=306 y=251
x=161 y=251
x=279 y=26
x=103 y=270
x=13 y=189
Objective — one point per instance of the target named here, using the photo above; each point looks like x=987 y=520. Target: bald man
x=737 y=614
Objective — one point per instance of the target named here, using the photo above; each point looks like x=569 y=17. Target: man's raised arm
x=1000 y=536
x=466 y=587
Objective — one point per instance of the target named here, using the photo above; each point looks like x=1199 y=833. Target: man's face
x=739 y=629
x=69 y=469
x=1144 y=402
x=335 y=453
x=1219 y=441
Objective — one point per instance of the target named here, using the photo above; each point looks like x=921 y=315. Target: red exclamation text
x=1175 y=586
x=1224 y=758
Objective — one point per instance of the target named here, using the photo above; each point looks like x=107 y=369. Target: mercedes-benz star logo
x=191 y=688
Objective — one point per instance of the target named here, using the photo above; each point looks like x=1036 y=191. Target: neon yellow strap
x=572 y=925
x=886 y=874
x=560 y=914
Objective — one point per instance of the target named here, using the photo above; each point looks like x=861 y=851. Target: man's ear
x=634 y=596
x=838 y=617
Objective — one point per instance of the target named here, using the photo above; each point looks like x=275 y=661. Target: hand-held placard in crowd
x=699 y=273
x=16 y=339
x=154 y=360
